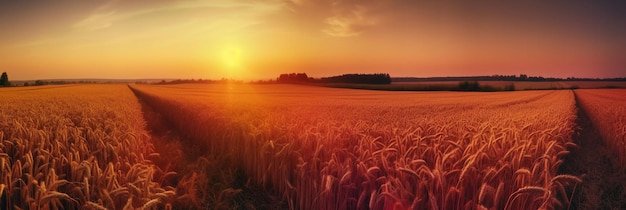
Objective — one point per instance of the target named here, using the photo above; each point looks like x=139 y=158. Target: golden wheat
x=348 y=149
x=607 y=112
x=56 y=142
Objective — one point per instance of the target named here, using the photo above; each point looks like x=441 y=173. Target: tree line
x=4 y=80
x=193 y=81
x=521 y=77
x=380 y=78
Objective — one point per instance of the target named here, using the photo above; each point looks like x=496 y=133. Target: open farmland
x=77 y=147
x=344 y=149
x=238 y=146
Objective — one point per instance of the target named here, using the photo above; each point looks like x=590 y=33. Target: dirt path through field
x=180 y=154
x=166 y=141
x=603 y=182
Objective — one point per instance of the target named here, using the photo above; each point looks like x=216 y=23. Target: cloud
x=97 y=21
x=296 y=2
x=102 y=17
x=117 y=11
x=351 y=24
x=341 y=18
x=336 y=18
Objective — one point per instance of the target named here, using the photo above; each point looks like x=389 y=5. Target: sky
x=260 y=39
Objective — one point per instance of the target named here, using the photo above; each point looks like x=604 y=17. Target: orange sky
x=259 y=39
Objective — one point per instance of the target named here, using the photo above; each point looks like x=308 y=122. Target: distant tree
x=359 y=79
x=293 y=78
x=4 y=80
x=469 y=86
x=523 y=77
x=39 y=82
x=26 y=84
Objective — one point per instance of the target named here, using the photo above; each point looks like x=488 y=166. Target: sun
x=232 y=60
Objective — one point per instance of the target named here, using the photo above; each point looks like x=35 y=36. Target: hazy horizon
x=274 y=78
x=252 y=40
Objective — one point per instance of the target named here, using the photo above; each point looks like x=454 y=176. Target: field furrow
x=607 y=112
x=350 y=149
x=599 y=157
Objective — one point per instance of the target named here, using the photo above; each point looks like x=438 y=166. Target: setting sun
x=232 y=62
x=232 y=58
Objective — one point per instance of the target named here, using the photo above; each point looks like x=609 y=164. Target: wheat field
x=607 y=110
x=93 y=147
x=77 y=147
x=352 y=149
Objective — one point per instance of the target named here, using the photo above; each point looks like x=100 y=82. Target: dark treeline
x=57 y=82
x=4 y=80
x=192 y=81
x=476 y=86
x=294 y=78
x=521 y=77
x=358 y=79
x=345 y=78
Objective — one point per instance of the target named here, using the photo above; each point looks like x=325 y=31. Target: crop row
x=348 y=149
x=77 y=147
x=607 y=111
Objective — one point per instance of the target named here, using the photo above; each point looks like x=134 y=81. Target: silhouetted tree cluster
x=359 y=79
x=198 y=81
x=4 y=80
x=293 y=78
x=58 y=82
x=263 y=82
x=595 y=79
x=475 y=86
x=346 y=78
x=469 y=86
x=521 y=77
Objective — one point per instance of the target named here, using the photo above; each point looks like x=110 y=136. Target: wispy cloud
x=97 y=21
x=352 y=23
x=341 y=18
x=102 y=17
x=115 y=11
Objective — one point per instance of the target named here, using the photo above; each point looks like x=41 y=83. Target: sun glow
x=232 y=61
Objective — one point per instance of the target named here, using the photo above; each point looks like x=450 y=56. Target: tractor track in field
x=603 y=186
x=604 y=182
x=177 y=153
